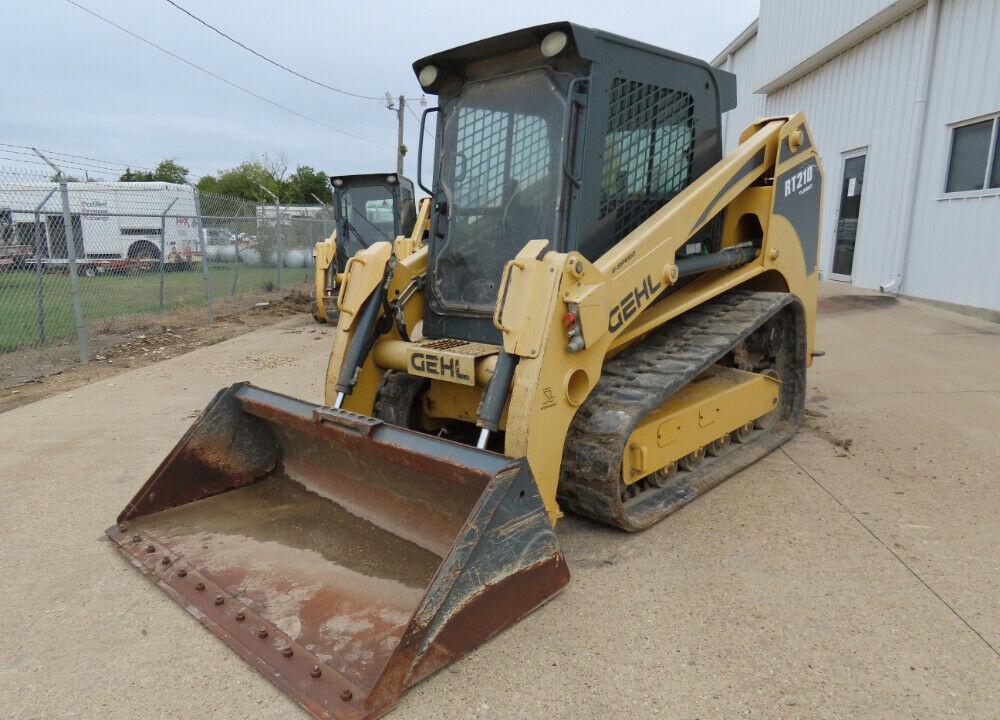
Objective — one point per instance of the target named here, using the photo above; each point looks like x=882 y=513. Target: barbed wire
x=58 y=154
x=62 y=163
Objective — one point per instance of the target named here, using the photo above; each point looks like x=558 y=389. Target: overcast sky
x=74 y=84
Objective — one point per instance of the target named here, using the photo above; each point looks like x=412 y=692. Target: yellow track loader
x=367 y=209
x=609 y=318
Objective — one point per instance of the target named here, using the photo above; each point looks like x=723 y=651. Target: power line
x=227 y=82
x=267 y=59
x=417 y=118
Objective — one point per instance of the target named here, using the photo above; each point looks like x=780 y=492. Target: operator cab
x=543 y=134
x=370 y=208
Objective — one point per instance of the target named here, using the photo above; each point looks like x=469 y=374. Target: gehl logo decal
x=437 y=365
x=632 y=303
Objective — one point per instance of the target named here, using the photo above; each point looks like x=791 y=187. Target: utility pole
x=399 y=137
x=400 y=110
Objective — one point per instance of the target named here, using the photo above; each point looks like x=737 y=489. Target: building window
x=974 y=164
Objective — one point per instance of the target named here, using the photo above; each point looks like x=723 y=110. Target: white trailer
x=116 y=225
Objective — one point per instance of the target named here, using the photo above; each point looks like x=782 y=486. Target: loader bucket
x=342 y=557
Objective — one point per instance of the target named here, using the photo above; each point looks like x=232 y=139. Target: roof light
x=554 y=43
x=391 y=179
x=428 y=74
x=338 y=182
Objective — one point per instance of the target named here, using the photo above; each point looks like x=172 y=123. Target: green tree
x=244 y=181
x=169 y=170
x=306 y=182
x=208 y=183
x=131 y=175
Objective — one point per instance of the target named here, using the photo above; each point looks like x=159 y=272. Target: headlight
x=554 y=43
x=428 y=74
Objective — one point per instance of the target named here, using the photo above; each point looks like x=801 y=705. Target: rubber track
x=397 y=399
x=642 y=377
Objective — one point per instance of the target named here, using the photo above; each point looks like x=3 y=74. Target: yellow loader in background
x=609 y=317
x=367 y=209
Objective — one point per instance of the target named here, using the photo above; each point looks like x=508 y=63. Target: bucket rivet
x=122 y=528
x=165 y=560
x=199 y=586
x=219 y=600
x=316 y=672
x=288 y=652
x=346 y=695
x=240 y=615
x=136 y=538
x=182 y=573
x=262 y=633
x=150 y=548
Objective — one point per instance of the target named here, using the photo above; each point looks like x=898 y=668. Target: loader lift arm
x=612 y=302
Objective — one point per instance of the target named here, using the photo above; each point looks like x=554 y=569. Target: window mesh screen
x=649 y=148
x=499 y=169
x=484 y=139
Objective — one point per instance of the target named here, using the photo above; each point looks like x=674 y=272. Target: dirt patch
x=296 y=301
x=853 y=303
x=34 y=374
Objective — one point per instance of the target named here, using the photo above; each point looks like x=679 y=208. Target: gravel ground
x=853 y=573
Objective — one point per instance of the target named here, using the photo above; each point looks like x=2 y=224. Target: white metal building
x=903 y=98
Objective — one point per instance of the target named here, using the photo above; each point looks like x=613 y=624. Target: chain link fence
x=82 y=262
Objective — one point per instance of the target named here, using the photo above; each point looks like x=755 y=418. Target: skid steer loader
x=367 y=209
x=609 y=318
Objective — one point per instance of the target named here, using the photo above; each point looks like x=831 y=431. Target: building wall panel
x=792 y=31
x=749 y=105
x=863 y=99
x=866 y=97
x=954 y=252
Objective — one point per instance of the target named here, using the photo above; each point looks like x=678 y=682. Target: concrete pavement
x=854 y=573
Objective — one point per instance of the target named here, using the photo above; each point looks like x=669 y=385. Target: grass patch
x=118 y=303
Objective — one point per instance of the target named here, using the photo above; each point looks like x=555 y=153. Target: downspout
x=916 y=154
